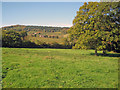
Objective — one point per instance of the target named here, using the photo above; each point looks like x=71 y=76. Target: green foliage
x=58 y=68
x=67 y=44
x=15 y=39
x=11 y=39
x=23 y=34
x=96 y=26
x=33 y=34
x=46 y=36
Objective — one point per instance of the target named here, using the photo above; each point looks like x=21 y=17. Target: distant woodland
x=34 y=28
x=20 y=36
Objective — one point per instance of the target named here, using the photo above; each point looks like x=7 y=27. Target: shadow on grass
x=107 y=55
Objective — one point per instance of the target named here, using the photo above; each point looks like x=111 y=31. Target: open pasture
x=58 y=68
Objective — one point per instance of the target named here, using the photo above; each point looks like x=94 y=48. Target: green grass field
x=47 y=40
x=58 y=68
x=59 y=40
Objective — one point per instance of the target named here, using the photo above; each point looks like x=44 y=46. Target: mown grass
x=57 y=68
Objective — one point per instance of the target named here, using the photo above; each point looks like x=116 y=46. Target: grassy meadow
x=46 y=40
x=59 y=40
x=58 y=68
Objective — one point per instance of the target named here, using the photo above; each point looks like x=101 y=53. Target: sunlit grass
x=54 y=68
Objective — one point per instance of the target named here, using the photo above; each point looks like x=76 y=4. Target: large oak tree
x=96 y=26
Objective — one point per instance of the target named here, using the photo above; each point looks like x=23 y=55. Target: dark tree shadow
x=108 y=55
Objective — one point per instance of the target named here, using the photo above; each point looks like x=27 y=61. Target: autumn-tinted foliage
x=96 y=26
x=36 y=36
x=15 y=39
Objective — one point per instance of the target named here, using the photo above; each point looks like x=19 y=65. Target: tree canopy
x=96 y=26
x=11 y=39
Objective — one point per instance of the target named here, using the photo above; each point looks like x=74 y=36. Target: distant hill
x=38 y=34
x=35 y=28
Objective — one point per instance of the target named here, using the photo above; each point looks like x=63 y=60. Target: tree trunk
x=104 y=52
x=96 y=52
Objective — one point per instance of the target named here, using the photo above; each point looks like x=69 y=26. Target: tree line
x=16 y=39
x=35 y=28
